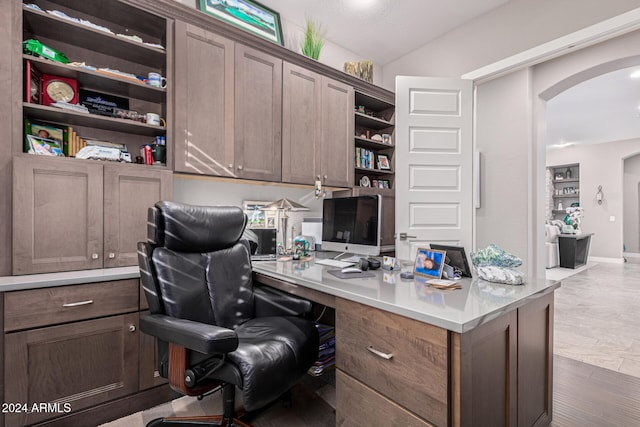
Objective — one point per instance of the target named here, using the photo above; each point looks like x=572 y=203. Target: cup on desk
x=155 y=119
x=156 y=80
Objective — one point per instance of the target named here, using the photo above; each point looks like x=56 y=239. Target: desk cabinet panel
x=44 y=307
x=416 y=377
x=358 y=405
x=83 y=363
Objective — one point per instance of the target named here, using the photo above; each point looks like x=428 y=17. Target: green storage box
x=34 y=47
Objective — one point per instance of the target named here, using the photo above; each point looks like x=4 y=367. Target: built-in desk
x=413 y=355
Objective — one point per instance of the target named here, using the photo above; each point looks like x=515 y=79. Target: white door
x=433 y=157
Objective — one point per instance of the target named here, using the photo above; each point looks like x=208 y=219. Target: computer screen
x=352 y=224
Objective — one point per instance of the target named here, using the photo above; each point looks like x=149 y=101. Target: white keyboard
x=334 y=263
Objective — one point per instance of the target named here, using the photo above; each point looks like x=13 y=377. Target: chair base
x=206 y=420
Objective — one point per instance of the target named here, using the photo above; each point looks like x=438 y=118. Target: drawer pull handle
x=378 y=353
x=76 y=304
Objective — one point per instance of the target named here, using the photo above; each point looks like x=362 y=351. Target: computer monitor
x=352 y=224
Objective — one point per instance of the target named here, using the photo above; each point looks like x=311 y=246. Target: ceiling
x=603 y=109
x=383 y=30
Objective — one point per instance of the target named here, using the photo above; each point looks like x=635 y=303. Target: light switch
x=612 y=218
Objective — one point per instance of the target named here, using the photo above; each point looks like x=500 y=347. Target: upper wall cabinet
x=228 y=107
x=258 y=118
x=204 y=102
x=317 y=128
x=112 y=47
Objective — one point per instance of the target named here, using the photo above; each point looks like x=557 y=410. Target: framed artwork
x=383 y=162
x=248 y=15
x=429 y=263
x=256 y=216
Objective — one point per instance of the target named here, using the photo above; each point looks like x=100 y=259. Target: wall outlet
x=612 y=218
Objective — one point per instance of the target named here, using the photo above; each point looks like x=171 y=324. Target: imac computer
x=352 y=224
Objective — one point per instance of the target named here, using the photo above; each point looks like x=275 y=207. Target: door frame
x=570 y=43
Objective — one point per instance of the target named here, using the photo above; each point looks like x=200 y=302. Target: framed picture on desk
x=429 y=263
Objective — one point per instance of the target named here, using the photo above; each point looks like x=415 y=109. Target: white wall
x=631 y=223
x=600 y=164
x=502 y=32
x=503 y=139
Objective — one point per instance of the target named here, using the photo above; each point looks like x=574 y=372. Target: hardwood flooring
x=585 y=395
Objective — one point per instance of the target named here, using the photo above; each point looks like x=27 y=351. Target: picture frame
x=383 y=162
x=33 y=84
x=380 y=183
x=429 y=263
x=386 y=183
x=248 y=15
x=257 y=217
x=386 y=138
x=271 y=221
x=456 y=257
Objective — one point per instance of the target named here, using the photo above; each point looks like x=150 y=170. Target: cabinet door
x=57 y=215
x=258 y=118
x=128 y=194
x=83 y=364
x=301 y=107
x=204 y=102
x=337 y=147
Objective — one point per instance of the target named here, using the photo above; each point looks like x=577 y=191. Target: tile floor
x=597 y=319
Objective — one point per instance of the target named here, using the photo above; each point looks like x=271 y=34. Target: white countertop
x=458 y=310
x=46 y=280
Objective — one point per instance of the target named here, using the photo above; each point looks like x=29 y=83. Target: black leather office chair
x=214 y=327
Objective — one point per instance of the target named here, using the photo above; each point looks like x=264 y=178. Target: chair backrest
x=195 y=265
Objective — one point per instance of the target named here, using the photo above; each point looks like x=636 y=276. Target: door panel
x=258 y=118
x=337 y=147
x=128 y=194
x=301 y=104
x=54 y=201
x=434 y=141
x=204 y=112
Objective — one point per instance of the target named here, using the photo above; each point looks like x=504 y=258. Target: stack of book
x=326 y=352
x=365 y=158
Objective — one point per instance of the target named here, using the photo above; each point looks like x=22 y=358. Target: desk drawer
x=358 y=405
x=47 y=306
x=416 y=376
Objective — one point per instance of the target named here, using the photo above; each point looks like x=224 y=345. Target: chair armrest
x=207 y=339
x=272 y=302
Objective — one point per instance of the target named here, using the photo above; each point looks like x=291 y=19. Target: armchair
x=214 y=327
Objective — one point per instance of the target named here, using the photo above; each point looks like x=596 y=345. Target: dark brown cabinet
x=228 y=107
x=316 y=128
x=99 y=212
x=258 y=117
x=336 y=143
x=204 y=113
x=82 y=364
x=79 y=345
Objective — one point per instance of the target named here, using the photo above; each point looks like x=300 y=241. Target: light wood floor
x=596 y=365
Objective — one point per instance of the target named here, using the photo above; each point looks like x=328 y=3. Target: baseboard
x=631 y=255
x=605 y=259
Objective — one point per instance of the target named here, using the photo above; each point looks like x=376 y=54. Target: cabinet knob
x=112 y=255
x=230 y=165
x=95 y=256
x=239 y=167
x=132 y=328
x=325 y=177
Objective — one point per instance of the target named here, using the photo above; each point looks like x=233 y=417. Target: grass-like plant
x=313 y=40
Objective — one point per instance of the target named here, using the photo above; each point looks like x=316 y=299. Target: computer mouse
x=351 y=270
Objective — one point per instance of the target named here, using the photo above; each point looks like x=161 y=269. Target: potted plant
x=313 y=40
